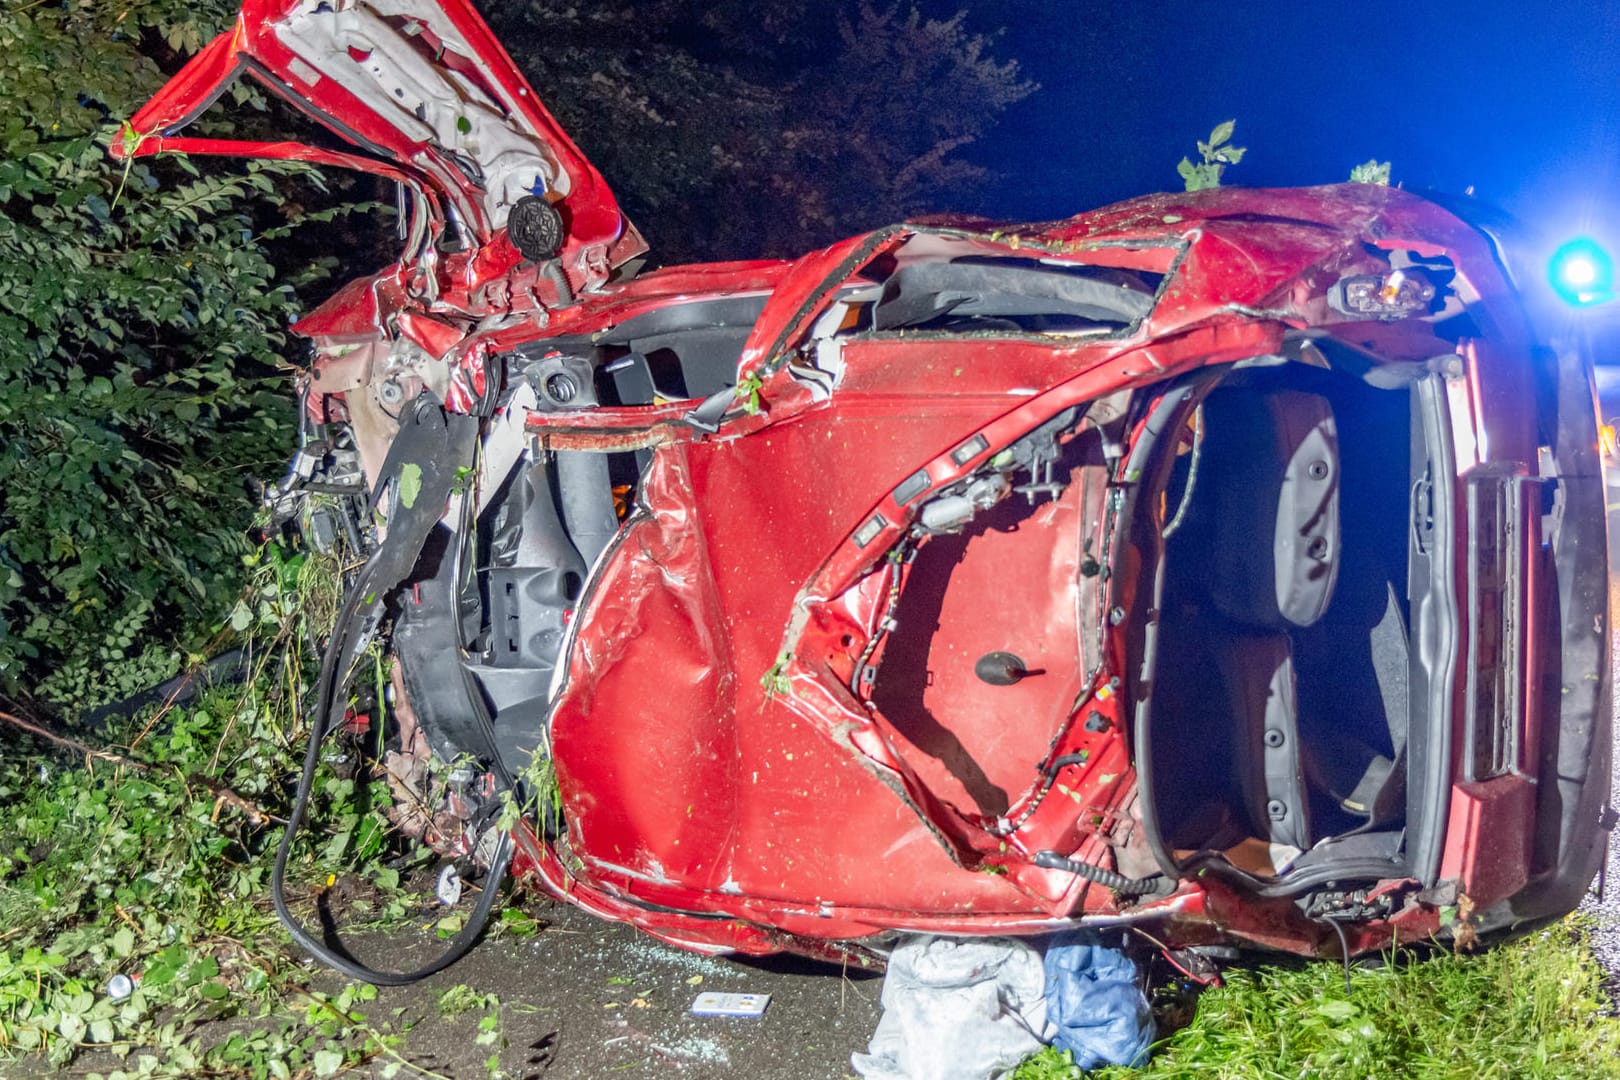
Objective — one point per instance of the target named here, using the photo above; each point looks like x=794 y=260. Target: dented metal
x=743 y=539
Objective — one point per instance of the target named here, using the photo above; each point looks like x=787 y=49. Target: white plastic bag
x=957 y=1009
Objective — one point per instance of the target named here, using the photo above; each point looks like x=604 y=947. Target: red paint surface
x=1488 y=849
x=591 y=213
x=722 y=786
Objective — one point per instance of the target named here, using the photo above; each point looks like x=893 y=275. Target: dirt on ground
x=583 y=999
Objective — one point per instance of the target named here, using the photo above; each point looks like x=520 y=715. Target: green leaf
x=165 y=966
x=1337 y=1010
x=123 y=941
x=1371 y=171
x=410 y=484
x=327 y=1062
x=369 y=837
x=1222 y=133
x=71 y=1027
x=519 y=922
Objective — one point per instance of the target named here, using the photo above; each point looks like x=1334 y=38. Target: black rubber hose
x=333 y=677
x=1051 y=860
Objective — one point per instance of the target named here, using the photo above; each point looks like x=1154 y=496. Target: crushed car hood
x=422 y=85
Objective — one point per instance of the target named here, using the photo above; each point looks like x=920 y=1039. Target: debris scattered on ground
x=448 y=887
x=714 y=1003
x=973 y=1008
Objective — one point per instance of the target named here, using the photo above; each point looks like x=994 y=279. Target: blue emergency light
x=1582 y=273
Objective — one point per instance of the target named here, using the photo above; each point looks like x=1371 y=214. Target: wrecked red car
x=1230 y=563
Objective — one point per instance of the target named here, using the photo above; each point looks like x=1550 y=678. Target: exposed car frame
x=1232 y=562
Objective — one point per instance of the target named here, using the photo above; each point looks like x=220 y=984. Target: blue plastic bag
x=1092 y=999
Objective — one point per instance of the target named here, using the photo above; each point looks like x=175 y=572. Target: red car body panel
x=355 y=67
x=722 y=785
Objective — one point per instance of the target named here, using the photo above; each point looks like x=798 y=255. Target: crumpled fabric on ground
x=1094 y=1004
x=957 y=1009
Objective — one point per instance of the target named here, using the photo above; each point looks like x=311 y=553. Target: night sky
x=1520 y=100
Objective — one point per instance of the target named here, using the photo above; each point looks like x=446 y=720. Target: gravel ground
x=1605 y=907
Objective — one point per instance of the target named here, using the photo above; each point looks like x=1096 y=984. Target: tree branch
x=223 y=796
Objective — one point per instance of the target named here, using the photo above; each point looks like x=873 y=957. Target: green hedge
x=141 y=325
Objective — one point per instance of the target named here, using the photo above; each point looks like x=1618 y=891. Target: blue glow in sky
x=1519 y=101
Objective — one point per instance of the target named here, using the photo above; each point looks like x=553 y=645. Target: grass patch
x=1530 y=1009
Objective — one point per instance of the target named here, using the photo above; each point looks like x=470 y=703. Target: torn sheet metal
x=864 y=593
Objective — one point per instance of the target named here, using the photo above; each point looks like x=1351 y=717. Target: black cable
x=1344 y=952
x=334 y=676
x=1121 y=884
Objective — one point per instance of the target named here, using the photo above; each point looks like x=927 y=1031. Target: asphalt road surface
x=586 y=1000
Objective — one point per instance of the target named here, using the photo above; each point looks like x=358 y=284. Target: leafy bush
x=151 y=864
x=141 y=325
x=141 y=316
x=1214 y=157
